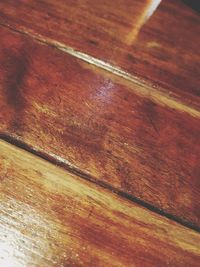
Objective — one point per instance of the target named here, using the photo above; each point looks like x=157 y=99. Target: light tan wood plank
x=49 y=217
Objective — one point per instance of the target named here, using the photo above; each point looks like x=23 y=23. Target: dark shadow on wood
x=194 y=4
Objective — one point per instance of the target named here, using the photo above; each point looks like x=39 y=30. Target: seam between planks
x=146 y=90
x=65 y=164
x=155 y=93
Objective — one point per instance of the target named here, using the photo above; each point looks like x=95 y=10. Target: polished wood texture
x=99 y=126
x=49 y=217
x=105 y=107
x=165 y=52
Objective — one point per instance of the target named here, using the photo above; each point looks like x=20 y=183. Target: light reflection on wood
x=143 y=17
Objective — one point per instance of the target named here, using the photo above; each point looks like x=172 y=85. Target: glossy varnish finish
x=49 y=217
x=68 y=110
x=165 y=51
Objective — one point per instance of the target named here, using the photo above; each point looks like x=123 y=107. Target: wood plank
x=49 y=217
x=165 y=52
x=103 y=128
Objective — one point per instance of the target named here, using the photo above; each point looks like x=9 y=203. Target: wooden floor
x=99 y=133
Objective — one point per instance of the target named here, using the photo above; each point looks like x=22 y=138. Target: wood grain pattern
x=165 y=52
x=49 y=217
x=83 y=117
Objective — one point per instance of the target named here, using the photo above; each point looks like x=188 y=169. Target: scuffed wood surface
x=49 y=217
x=84 y=117
x=165 y=52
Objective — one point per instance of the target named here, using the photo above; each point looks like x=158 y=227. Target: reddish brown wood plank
x=165 y=52
x=71 y=111
x=49 y=217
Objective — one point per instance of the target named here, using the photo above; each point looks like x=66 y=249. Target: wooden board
x=101 y=127
x=164 y=52
x=49 y=217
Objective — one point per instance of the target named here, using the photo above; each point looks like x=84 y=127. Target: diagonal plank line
x=146 y=89
x=58 y=161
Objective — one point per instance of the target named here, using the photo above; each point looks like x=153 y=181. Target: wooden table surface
x=99 y=133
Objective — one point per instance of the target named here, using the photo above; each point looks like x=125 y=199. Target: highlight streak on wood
x=146 y=13
x=166 y=52
x=155 y=93
x=75 y=112
x=49 y=217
